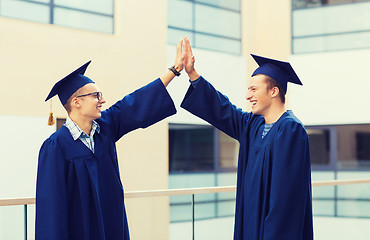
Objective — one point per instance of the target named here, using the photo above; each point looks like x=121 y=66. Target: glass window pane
x=319 y=146
x=25 y=11
x=351 y=149
x=217 y=44
x=335 y=19
x=180 y=14
x=191 y=149
x=204 y=209
x=217 y=21
x=105 y=6
x=332 y=43
x=354 y=209
x=41 y=1
x=229 y=150
x=87 y=21
x=31 y=208
x=12 y=222
x=174 y=35
x=226 y=208
x=180 y=208
x=323 y=207
x=231 y=4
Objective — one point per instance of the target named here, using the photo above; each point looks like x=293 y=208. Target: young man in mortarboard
x=273 y=199
x=79 y=194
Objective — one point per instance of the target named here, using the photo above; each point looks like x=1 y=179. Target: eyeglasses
x=98 y=95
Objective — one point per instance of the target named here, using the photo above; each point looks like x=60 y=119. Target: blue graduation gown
x=273 y=199
x=79 y=194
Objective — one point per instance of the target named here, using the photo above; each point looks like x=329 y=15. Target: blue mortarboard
x=70 y=84
x=282 y=72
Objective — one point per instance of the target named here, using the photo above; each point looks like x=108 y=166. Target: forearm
x=167 y=78
x=193 y=75
x=210 y=105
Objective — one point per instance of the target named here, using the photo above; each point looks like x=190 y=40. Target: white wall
x=20 y=140
x=226 y=72
x=336 y=87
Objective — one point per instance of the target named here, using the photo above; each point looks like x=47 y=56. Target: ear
x=75 y=103
x=274 y=92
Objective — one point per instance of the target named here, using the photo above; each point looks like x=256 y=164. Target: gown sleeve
x=290 y=184
x=140 y=109
x=51 y=194
x=205 y=102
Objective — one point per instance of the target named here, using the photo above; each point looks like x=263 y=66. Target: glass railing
x=341 y=211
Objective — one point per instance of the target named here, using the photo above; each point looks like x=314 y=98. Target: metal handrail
x=185 y=191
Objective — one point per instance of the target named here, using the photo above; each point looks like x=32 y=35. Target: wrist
x=174 y=70
x=177 y=68
x=193 y=75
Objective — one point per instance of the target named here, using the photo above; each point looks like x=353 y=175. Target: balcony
x=341 y=211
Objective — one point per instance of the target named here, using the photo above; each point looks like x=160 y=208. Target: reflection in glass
x=217 y=21
x=175 y=35
x=218 y=44
x=229 y=149
x=331 y=28
x=214 y=219
x=332 y=42
x=105 y=6
x=81 y=20
x=353 y=146
x=24 y=11
x=214 y=25
x=230 y=4
x=191 y=148
x=12 y=222
x=319 y=146
x=180 y=19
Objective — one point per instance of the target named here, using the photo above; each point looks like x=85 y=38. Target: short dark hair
x=273 y=83
x=67 y=105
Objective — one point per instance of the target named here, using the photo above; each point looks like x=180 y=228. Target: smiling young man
x=79 y=194
x=273 y=200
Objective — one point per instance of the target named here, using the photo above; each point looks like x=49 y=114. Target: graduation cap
x=67 y=86
x=282 y=72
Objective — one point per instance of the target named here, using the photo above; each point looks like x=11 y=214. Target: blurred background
x=132 y=43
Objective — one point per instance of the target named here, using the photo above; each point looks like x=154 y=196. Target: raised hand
x=189 y=60
x=179 y=61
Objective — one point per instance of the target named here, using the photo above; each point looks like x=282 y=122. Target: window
x=297 y=4
x=199 y=148
x=328 y=25
x=212 y=25
x=91 y=15
x=60 y=122
x=340 y=147
x=353 y=149
x=319 y=146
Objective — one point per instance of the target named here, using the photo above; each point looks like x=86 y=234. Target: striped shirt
x=266 y=129
x=77 y=132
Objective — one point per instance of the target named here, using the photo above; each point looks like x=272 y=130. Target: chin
x=97 y=116
x=256 y=112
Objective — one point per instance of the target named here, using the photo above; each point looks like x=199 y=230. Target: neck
x=274 y=113
x=83 y=123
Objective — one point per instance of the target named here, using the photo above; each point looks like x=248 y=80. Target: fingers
x=179 y=48
x=187 y=46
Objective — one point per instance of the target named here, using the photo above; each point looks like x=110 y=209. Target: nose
x=249 y=96
x=102 y=100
